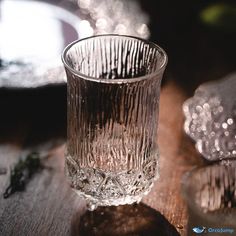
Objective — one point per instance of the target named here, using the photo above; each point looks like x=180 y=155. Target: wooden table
x=48 y=206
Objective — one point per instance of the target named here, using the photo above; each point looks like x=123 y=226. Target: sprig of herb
x=22 y=173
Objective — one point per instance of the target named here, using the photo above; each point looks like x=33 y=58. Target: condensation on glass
x=113 y=102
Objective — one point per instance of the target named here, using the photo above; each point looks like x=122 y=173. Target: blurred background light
x=117 y=16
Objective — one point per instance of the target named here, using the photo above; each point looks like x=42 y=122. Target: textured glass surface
x=211 y=119
x=113 y=102
x=210 y=193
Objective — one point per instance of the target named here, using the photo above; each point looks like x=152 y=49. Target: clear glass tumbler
x=113 y=89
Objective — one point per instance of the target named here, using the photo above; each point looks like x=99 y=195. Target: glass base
x=104 y=188
x=92 y=203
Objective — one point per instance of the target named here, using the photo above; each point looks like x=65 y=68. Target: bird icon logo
x=199 y=230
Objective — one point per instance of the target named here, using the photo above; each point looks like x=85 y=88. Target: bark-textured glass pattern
x=113 y=101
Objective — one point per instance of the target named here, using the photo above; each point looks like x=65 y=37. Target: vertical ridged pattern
x=112 y=127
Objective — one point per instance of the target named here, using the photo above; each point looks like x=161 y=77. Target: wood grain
x=50 y=207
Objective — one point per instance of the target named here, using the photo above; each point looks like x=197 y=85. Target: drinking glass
x=113 y=89
x=210 y=194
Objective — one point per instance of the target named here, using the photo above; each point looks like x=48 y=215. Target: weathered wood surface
x=50 y=207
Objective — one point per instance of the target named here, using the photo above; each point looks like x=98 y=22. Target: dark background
x=197 y=51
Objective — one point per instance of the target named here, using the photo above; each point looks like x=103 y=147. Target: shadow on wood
x=127 y=220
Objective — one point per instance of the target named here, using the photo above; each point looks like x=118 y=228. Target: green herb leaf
x=22 y=173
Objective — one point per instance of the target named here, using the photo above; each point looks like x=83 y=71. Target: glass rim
x=157 y=71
